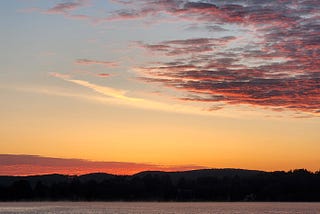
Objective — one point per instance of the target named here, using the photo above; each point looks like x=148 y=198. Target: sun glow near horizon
x=159 y=85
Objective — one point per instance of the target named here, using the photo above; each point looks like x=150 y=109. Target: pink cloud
x=103 y=75
x=96 y=62
x=278 y=70
x=66 y=7
x=33 y=164
x=187 y=46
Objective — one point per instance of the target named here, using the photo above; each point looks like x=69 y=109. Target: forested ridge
x=195 y=185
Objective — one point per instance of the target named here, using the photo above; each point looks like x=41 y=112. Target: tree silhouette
x=200 y=185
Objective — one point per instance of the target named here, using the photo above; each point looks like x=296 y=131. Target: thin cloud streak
x=120 y=97
x=115 y=93
x=96 y=62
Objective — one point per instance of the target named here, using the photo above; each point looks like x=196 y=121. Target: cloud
x=120 y=97
x=59 y=75
x=115 y=93
x=187 y=46
x=258 y=53
x=96 y=62
x=104 y=90
x=273 y=63
x=103 y=75
x=21 y=164
x=66 y=7
x=253 y=86
x=218 y=11
x=183 y=9
x=86 y=72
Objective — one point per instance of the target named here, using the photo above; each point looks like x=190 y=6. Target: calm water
x=123 y=207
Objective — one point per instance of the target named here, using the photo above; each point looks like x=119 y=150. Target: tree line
x=296 y=185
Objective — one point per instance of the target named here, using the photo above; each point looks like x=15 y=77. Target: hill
x=194 y=185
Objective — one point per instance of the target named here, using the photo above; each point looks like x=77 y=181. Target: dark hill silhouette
x=45 y=179
x=194 y=185
x=97 y=177
x=194 y=174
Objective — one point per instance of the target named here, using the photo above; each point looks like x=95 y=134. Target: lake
x=158 y=208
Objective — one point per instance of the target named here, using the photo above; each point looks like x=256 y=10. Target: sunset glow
x=123 y=86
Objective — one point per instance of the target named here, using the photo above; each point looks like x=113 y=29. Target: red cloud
x=280 y=69
x=33 y=164
x=103 y=75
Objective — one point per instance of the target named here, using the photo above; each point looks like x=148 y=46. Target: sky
x=122 y=86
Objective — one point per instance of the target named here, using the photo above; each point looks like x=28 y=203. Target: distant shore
x=207 y=185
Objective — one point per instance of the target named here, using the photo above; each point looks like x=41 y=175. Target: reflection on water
x=154 y=207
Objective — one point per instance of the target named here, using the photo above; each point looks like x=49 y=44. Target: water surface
x=154 y=207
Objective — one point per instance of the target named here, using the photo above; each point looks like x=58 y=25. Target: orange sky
x=175 y=85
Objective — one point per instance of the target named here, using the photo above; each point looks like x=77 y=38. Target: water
x=157 y=208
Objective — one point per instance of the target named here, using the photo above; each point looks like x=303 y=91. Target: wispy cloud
x=96 y=62
x=120 y=97
x=115 y=93
x=16 y=164
x=65 y=8
x=103 y=75
x=87 y=72
x=103 y=90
